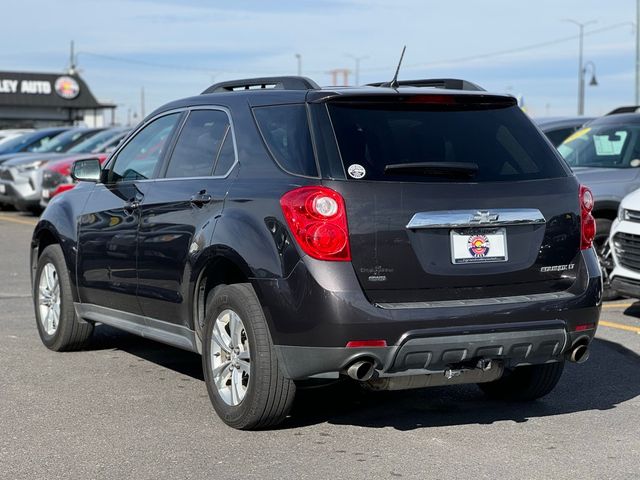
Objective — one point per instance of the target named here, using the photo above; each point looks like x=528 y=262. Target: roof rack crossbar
x=263 y=83
x=446 y=83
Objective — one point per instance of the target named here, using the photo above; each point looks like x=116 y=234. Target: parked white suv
x=625 y=247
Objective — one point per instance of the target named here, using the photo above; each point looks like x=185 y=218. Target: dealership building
x=34 y=100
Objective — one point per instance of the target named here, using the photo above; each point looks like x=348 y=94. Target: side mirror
x=88 y=170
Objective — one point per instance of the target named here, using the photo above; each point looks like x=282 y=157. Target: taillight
x=317 y=218
x=588 y=223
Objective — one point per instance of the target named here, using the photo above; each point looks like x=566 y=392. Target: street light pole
x=580 y=63
x=299 y=59
x=637 y=52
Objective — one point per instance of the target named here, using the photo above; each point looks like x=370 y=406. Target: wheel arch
x=221 y=268
x=43 y=236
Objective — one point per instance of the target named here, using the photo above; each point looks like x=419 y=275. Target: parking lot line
x=617 y=305
x=619 y=326
x=21 y=221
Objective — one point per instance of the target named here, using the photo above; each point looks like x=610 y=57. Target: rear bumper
x=320 y=307
x=426 y=354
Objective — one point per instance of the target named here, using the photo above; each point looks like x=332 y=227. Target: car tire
x=246 y=386
x=601 y=244
x=525 y=383
x=58 y=325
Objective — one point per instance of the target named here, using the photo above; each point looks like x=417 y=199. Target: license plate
x=479 y=246
x=3 y=189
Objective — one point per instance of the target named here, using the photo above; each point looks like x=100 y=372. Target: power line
x=146 y=63
x=510 y=51
x=464 y=59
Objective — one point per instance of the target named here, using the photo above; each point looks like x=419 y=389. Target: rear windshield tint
x=501 y=142
x=285 y=129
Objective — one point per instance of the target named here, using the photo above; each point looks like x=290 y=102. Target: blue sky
x=177 y=48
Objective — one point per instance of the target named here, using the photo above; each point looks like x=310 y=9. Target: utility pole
x=637 y=52
x=299 y=59
x=142 y=109
x=357 y=60
x=580 y=63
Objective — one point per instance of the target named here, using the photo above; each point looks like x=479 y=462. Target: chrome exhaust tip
x=579 y=353
x=361 y=370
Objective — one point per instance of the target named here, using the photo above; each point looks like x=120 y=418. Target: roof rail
x=446 y=83
x=627 y=109
x=264 y=83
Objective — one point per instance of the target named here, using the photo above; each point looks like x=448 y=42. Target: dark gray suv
x=406 y=235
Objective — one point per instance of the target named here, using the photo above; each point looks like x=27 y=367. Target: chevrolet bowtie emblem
x=484 y=216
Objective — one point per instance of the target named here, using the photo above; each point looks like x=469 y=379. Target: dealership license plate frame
x=493 y=234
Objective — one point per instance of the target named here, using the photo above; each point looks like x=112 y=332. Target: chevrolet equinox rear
x=404 y=236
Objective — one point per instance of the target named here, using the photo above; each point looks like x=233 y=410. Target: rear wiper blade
x=448 y=169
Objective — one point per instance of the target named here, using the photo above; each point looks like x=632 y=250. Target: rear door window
x=497 y=144
x=226 y=156
x=285 y=130
x=199 y=144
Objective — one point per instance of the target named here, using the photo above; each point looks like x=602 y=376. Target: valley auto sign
x=65 y=87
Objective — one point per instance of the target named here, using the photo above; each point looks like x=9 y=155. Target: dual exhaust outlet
x=363 y=370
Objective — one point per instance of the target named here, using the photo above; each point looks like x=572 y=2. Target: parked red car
x=56 y=176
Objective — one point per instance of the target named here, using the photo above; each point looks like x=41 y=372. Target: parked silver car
x=20 y=177
x=605 y=156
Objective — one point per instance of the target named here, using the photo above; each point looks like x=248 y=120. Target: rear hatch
x=450 y=197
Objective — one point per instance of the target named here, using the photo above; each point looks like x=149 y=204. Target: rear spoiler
x=433 y=98
x=443 y=83
x=627 y=109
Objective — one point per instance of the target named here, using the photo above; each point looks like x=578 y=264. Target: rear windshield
x=439 y=143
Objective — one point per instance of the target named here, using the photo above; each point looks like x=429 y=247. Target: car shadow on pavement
x=606 y=380
x=609 y=378
x=633 y=310
x=180 y=361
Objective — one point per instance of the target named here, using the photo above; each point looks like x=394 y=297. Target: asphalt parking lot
x=131 y=408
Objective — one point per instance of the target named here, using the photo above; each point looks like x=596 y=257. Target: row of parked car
x=35 y=165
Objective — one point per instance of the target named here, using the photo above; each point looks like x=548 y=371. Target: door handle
x=201 y=198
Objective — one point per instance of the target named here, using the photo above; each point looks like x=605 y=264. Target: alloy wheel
x=49 y=299
x=230 y=357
